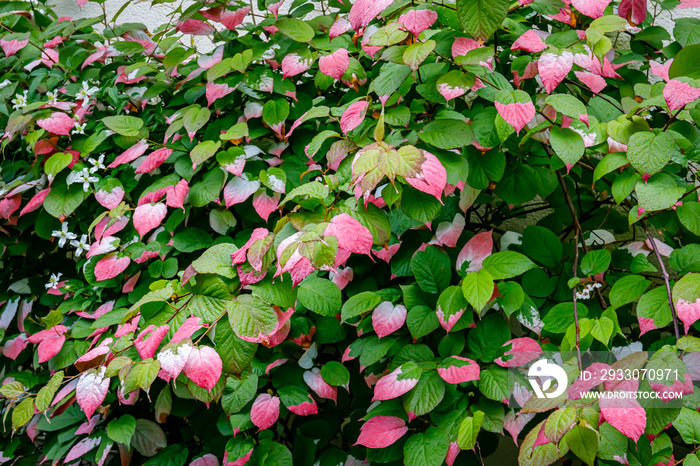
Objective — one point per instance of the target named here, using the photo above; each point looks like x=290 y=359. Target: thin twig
x=666 y=279
x=574 y=291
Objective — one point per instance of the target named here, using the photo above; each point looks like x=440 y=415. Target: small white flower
x=53 y=281
x=86 y=93
x=63 y=234
x=80 y=245
x=20 y=101
x=5 y=83
x=53 y=98
x=109 y=132
x=97 y=164
x=84 y=176
x=78 y=128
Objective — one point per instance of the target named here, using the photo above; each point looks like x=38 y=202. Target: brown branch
x=666 y=279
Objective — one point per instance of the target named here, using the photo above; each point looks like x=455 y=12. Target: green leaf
x=688 y=425
x=275 y=111
x=687 y=31
x=416 y=53
x=359 y=304
x=45 y=395
x=124 y=125
x=686 y=63
x=426 y=395
x=238 y=392
x=496 y=383
x=659 y=193
x=295 y=29
x=687 y=288
x=567 y=144
x=567 y=104
x=559 y=423
x=63 y=200
x=191 y=239
x=419 y=206
x=335 y=374
x=432 y=269
x=485 y=341
x=596 y=262
x=203 y=152
x=426 y=449
x=469 y=430
x=689 y=215
x=628 y=289
x=451 y=304
x=57 y=162
x=210 y=298
x=173 y=455
x=236 y=354
x=269 y=452
x=507 y=264
x=649 y=153
x=447 y=134
x=217 y=260
x=543 y=246
x=583 y=442
x=122 y=429
x=481 y=18
x=251 y=317
x=421 y=321
x=561 y=316
x=195 y=118
x=22 y=413
x=609 y=163
x=320 y=295
x=478 y=288
x=511 y=296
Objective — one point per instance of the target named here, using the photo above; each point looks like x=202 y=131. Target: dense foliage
x=300 y=244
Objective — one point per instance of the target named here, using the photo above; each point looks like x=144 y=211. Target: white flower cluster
x=20 y=101
x=586 y=293
x=64 y=235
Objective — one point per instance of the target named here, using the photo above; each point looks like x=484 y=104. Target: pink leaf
x=688 y=312
x=351 y=235
x=173 y=361
x=342 y=277
x=35 y=202
x=660 y=70
x=594 y=82
x=645 y=325
x=591 y=8
x=131 y=154
x=9 y=206
x=149 y=216
x=595 y=374
x=433 y=177
x=15 y=346
x=148 y=340
x=679 y=94
x=187 y=329
x=353 y=116
x=388 y=318
x=340 y=27
x=239 y=256
x=11 y=47
x=80 y=448
x=335 y=64
x=204 y=367
x=381 y=431
x=305 y=408
x=91 y=390
x=448 y=233
x=364 y=11
x=57 y=123
x=517 y=114
x=293 y=64
x=216 y=91
x=624 y=414
x=459 y=370
x=110 y=266
x=475 y=251
x=316 y=383
x=523 y=350
x=154 y=160
x=530 y=42
x=634 y=11
x=195 y=27
x=110 y=199
x=96 y=352
x=265 y=411
x=390 y=386
x=417 y=21
x=239 y=189
x=264 y=205
x=233 y=19
x=685 y=4
x=206 y=460
x=88 y=426
x=514 y=423
x=208 y=61
x=175 y=195
x=451 y=320
x=554 y=68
